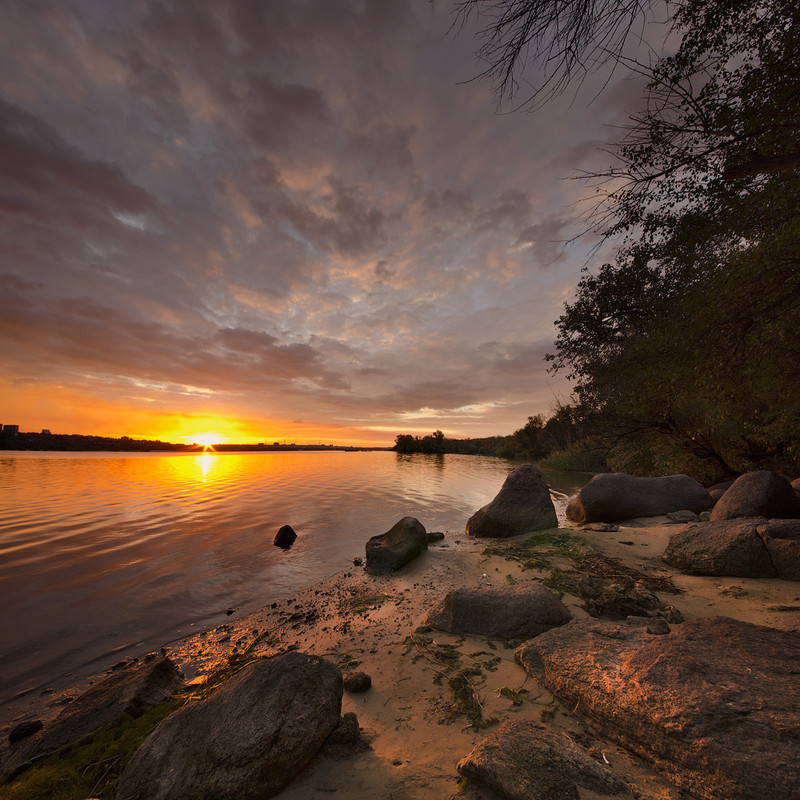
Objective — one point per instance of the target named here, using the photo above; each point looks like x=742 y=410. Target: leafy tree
x=685 y=348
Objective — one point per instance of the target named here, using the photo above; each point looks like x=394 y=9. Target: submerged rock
x=523 y=504
x=514 y=612
x=247 y=741
x=610 y=497
x=525 y=760
x=285 y=537
x=397 y=547
x=714 y=705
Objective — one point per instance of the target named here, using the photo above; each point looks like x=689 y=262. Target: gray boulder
x=758 y=494
x=402 y=543
x=523 y=504
x=525 y=760
x=714 y=705
x=616 y=496
x=247 y=741
x=515 y=612
x=129 y=691
x=727 y=547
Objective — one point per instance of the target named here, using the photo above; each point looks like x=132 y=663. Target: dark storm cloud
x=39 y=164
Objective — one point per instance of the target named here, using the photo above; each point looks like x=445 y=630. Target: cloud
x=296 y=206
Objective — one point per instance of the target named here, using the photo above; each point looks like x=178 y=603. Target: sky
x=261 y=220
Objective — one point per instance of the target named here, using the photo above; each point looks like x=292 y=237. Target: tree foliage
x=685 y=348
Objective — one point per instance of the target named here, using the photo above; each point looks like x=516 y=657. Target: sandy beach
x=417 y=725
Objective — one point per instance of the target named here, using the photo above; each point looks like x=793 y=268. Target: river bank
x=418 y=727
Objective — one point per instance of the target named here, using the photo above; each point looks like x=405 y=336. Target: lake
x=104 y=556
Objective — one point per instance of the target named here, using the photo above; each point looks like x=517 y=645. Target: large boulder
x=738 y=548
x=523 y=504
x=758 y=494
x=247 y=741
x=128 y=691
x=515 y=612
x=728 y=547
x=714 y=705
x=402 y=543
x=525 y=760
x=616 y=496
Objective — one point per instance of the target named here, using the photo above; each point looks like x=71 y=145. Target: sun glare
x=208 y=440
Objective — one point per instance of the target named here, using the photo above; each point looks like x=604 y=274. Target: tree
x=559 y=40
x=685 y=346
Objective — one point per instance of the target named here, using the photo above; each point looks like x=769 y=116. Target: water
x=103 y=556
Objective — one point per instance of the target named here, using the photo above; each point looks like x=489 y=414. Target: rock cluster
x=523 y=504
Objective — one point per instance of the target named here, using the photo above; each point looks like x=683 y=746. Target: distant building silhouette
x=10 y=430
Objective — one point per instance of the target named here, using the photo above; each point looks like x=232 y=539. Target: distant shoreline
x=58 y=442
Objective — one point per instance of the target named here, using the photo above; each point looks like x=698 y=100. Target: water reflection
x=114 y=554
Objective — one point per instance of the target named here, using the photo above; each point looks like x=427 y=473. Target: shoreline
x=416 y=730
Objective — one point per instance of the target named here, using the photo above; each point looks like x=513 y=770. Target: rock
x=525 y=760
x=514 y=612
x=395 y=548
x=24 y=730
x=128 y=691
x=609 y=497
x=657 y=626
x=435 y=536
x=758 y=494
x=345 y=739
x=683 y=516
x=248 y=740
x=714 y=705
x=782 y=540
x=718 y=489
x=611 y=599
x=523 y=504
x=285 y=537
x=356 y=682
x=724 y=547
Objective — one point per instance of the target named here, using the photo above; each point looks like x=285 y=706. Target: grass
x=540 y=550
x=90 y=767
x=446 y=662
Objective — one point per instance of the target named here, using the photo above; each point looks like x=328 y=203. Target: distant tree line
x=562 y=438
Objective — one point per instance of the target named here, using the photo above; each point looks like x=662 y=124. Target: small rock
x=683 y=516
x=357 y=562
x=24 y=730
x=285 y=537
x=435 y=536
x=356 y=682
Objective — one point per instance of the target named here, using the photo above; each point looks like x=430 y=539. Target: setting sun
x=208 y=440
